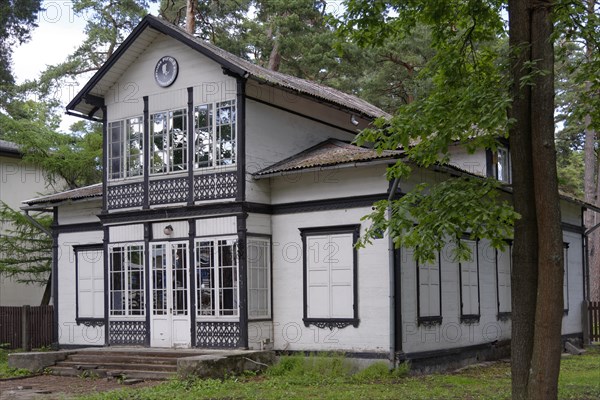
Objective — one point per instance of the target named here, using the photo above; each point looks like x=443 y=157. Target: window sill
x=429 y=321
x=503 y=316
x=331 y=322
x=90 y=321
x=469 y=319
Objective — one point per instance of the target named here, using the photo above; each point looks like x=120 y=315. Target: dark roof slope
x=85 y=102
x=9 y=148
x=328 y=153
x=74 y=194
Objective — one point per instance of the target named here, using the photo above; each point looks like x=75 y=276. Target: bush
x=380 y=372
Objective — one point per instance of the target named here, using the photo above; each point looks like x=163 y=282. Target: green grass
x=5 y=371
x=333 y=377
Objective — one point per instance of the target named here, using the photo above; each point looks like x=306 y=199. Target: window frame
x=470 y=317
x=506 y=167
x=167 y=135
x=330 y=230
x=429 y=319
x=216 y=270
x=87 y=320
x=126 y=273
x=269 y=271
x=124 y=147
x=503 y=315
x=213 y=108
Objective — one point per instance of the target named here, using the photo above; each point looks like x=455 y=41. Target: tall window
x=430 y=290
x=566 y=277
x=168 y=133
x=469 y=282
x=90 y=282
x=215 y=134
x=330 y=270
x=217 y=290
x=125 y=148
x=503 y=272
x=259 y=278
x=503 y=165
x=127 y=297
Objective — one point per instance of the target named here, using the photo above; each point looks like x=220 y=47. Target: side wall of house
x=273 y=135
x=19 y=181
x=70 y=216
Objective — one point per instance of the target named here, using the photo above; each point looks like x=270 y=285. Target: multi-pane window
x=503 y=271
x=217 y=292
x=429 y=284
x=168 y=135
x=127 y=296
x=125 y=148
x=215 y=134
x=90 y=283
x=259 y=278
x=469 y=281
x=329 y=276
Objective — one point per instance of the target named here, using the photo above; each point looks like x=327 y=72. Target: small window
x=503 y=165
x=90 y=282
x=115 y=150
x=215 y=134
x=125 y=148
x=429 y=291
x=127 y=296
x=503 y=276
x=259 y=278
x=330 y=276
x=469 y=283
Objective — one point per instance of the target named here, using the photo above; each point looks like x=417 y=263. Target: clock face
x=166 y=71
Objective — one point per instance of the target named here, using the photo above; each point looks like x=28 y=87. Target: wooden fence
x=594 y=320
x=35 y=320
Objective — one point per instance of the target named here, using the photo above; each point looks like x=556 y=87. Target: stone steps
x=149 y=365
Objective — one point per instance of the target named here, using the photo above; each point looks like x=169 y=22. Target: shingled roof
x=85 y=103
x=326 y=154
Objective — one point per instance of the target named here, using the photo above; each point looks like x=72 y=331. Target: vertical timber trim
x=192 y=280
x=105 y=242
x=104 y=161
x=397 y=277
x=241 y=139
x=149 y=280
x=147 y=147
x=191 y=143
x=243 y=276
x=55 y=337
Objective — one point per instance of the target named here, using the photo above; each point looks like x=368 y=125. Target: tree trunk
x=275 y=56
x=545 y=361
x=190 y=17
x=524 y=254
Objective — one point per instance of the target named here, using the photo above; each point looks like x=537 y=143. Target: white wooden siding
x=126 y=233
x=216 y=226
x=572 y=320
x=181 y=229
x=258 y=223
x=69 y=332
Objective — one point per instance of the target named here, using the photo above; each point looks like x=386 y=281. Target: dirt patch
x=58 y=387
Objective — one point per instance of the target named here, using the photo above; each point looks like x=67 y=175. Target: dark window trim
x=566 y=276
x=330 y=322
x=86 y=320
x=503 y=315
x=429 y=319
x=470 y=318
x=249 y=236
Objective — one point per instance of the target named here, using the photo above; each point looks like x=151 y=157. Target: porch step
x=150 y=365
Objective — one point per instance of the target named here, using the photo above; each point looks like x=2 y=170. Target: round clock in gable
x=166 y=71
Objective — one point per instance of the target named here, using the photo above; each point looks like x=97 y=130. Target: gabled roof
x=9 y=148
x=74 y=194
x=327 y=154
x=88 y=101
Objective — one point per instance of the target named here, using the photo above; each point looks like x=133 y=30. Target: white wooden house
x=19 y=180
x=230 y=205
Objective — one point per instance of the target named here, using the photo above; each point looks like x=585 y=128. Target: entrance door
x=170 y=317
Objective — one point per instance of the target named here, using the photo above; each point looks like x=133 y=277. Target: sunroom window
x=215 y=139
x=168 y=133
x=125 y=148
